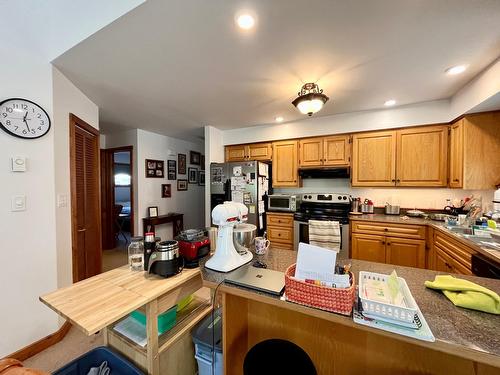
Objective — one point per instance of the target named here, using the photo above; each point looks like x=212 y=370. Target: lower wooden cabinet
x=451 y=255
x=368 y=247
x=280 y=230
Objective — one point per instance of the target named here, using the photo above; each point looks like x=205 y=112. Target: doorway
x=117 y=211
x=85 y=199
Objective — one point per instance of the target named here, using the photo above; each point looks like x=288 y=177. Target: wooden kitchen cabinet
x=324 y=151
x=280 y=229
x=405 y=252
x=474 y=145
x=285 y=168
x=374 y=159
x=455 y=254
x=422 y=156
x=254 y=151
x=368 y=247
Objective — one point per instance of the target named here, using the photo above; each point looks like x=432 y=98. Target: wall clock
x=24 y=119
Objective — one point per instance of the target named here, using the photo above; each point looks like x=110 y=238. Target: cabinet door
x=236 y=153
x=285 y=173
x=311 y=152
x=405 y=252
x=336 y=150
x=374 y=159
x=368 y=247
x=259 y=151
x=422 y=156
x=456 y=154
x=442 y=262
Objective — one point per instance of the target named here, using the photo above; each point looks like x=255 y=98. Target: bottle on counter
x=149 y=247
x=136 y=254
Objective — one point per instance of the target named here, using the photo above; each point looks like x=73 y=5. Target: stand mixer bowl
x=244 y=237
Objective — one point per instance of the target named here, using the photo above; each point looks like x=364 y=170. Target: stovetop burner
x=325 y=206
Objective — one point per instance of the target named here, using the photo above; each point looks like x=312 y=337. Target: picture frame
x=182 y=185
x=171 y=170
x=202 y=160
x=201 y=178
x=154 y=168
x=193 y=175
x=153 y=211
x=194 y=158
x=181 y=163
x=166 y=190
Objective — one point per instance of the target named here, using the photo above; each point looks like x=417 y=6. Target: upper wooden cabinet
x=254 y=151
x=374 y=159
x=285 y=170
x=474 y=145
x=422 y=156
x=407 y=157
x=324 y=151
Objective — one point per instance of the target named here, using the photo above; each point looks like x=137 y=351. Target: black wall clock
x=24 y=119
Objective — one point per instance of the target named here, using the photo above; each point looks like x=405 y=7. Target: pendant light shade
x=310 y=100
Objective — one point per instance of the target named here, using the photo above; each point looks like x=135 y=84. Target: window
x=122 y=179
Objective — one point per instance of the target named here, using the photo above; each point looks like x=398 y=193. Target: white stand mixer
x=226 y=257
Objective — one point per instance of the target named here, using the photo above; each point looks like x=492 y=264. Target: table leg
x=105 y=335
x=152 y=360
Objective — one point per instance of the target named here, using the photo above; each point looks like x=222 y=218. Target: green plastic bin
x=165 y=321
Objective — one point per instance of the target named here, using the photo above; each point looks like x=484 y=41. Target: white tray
x=388 y=311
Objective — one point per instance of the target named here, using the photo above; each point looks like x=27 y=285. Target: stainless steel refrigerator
x=246 y=182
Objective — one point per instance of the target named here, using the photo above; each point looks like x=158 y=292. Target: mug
x=261 y=245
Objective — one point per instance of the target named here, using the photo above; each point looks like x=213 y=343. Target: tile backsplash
x=422 y=198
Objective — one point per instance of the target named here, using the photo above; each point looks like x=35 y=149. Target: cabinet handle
x=398 y=180
x=388 y=243
x=455 y=180
x=386 y=229
x=393 y=180
x=383 y=242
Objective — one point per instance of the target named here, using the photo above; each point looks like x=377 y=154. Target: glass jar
x=136 y=254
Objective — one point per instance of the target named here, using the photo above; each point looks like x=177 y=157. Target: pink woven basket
x=338 y=300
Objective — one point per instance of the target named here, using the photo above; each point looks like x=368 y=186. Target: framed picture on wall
x=153 y=211
x=171 y=170
x=193 y=175
x=201 y=178
x=166 y=191
x=194 y=158
x=154 y=168
x=181 y=163
x=182 y=185
x=202 y=166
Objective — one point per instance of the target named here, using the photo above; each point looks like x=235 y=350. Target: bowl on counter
x=244 y=237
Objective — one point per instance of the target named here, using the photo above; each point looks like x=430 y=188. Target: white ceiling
x=175 y=66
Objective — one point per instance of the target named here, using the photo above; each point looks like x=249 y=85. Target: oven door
x=301 y=234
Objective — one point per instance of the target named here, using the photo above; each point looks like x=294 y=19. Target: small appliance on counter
x=283 y=202
x=193 y=245
x=226 y=257
x=391 y=209
x=165 y=260
x=367 y=206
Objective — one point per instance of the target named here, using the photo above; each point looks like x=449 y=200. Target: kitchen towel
x=466 y=294
x=325 y=234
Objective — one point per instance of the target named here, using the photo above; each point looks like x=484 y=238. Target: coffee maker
x=165 y=260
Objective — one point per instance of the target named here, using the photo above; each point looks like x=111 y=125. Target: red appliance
x=193 y=250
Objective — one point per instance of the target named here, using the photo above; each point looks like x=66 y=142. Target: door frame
x=75 y=121
x=111 y=194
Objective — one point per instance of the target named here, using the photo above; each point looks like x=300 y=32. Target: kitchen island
x=467 y=342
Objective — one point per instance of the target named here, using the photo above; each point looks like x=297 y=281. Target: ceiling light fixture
x=279 y=119
x=310 y=100
x=390 y=103
x=456 y=69
x=245 y=21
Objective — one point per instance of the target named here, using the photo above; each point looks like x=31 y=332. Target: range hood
x=333 y=172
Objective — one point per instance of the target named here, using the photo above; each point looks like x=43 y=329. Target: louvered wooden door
x=85 y=205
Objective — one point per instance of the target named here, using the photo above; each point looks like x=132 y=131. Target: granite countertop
x=396 y=219
x=457 y=329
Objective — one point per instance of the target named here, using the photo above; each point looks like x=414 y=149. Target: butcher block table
x=99 y=302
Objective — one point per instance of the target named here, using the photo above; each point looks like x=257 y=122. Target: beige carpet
x=74 y=344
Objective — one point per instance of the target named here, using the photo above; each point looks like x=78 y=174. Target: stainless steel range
x=322 y=206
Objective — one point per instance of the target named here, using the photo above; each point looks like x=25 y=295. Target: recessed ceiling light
x=390 y=103
x=456 y=69
x=245 y=21
x=279 y=119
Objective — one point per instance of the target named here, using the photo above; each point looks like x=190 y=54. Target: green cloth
x=466 y=294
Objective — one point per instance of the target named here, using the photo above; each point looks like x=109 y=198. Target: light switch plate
x=62 y=200
x=18 y=164
x=18 y=203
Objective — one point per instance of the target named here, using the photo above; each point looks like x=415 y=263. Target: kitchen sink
x=460 y=230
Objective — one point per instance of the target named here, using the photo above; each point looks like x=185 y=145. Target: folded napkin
x=466 y=294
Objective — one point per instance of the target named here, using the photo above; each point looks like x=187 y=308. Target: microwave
x=283 y=202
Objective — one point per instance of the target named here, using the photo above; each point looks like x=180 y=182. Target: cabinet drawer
x=392 y=230
x=460 y=253
x=282 y=245
x=280 y=220
x=280 y=234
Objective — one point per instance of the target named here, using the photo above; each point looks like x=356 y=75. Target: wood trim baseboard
x=42 y=344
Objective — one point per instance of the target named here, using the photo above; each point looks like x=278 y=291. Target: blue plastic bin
x=117 y=364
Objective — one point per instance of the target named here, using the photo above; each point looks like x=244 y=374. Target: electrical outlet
x=18 y=203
